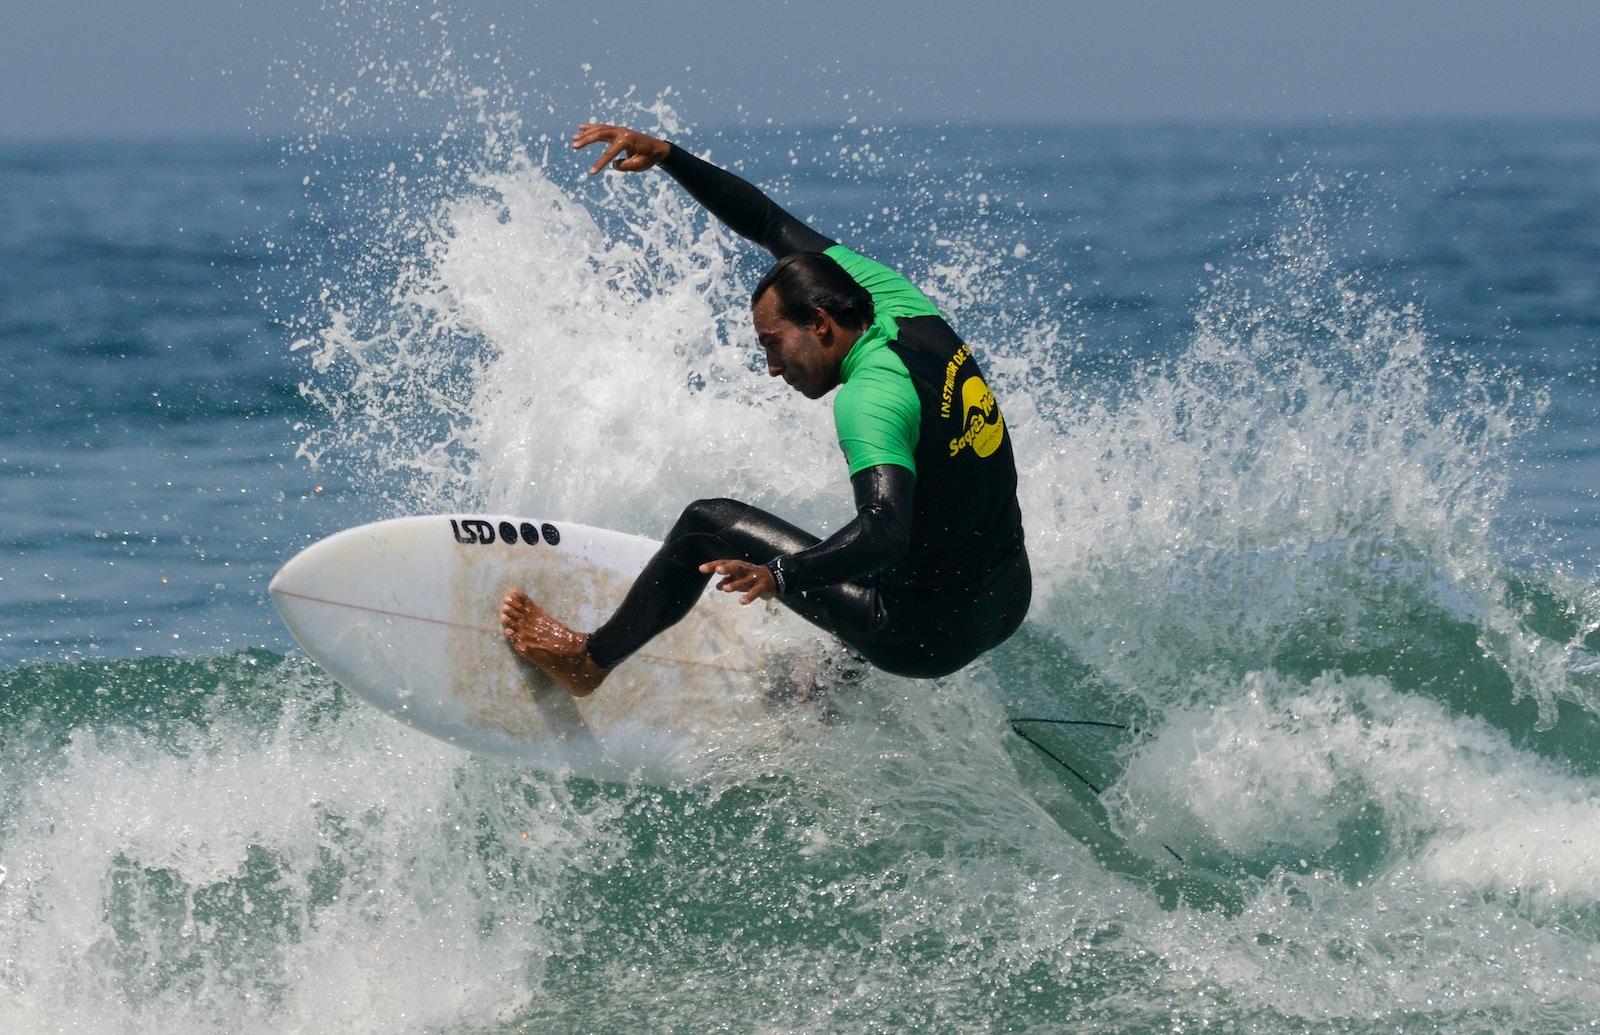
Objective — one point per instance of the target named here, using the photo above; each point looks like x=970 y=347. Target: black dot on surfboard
x=551 y=535
x=530 y=535
x=508 y=532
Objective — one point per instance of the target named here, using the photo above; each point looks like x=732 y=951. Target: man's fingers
x=589 y=132
x=592 y=133
x=615 y=149
x=627 y=150
x=740 y=577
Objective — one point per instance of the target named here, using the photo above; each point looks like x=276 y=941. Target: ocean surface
x=1306 y=416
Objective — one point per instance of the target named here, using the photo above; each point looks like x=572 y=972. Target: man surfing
x=932 y=571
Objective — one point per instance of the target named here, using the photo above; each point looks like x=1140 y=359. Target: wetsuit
x=932 y=571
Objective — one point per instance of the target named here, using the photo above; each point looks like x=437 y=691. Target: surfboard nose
x=287 y=577
x=300 y=573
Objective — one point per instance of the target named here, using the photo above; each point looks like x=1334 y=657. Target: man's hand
x=644 y=152
x=753 y=580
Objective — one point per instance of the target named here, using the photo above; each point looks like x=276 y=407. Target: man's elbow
x=891 y=538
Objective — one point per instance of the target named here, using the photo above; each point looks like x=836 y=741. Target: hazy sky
x=135 y=67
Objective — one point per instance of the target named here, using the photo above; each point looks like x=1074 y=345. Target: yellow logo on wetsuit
x=985 y=426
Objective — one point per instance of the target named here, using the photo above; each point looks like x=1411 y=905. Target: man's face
x=796 y=353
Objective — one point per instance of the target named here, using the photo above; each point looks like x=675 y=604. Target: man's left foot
x=558 y=651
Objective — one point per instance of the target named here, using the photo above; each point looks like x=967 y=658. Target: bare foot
x=558 y=651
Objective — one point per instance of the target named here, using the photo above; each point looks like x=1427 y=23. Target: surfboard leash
x=1058 y=760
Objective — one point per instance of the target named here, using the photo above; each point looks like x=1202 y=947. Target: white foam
x=1278 y=485
x=1278 y=769
x=315 y=876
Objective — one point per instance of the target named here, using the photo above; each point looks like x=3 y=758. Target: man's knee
x=718 y=529
x=707 y=517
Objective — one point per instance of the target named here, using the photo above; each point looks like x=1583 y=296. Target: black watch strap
x=776 y=567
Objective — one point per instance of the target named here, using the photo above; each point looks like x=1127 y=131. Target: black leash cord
x=1058 y=760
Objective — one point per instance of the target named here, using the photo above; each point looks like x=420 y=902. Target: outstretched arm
x=738 y=203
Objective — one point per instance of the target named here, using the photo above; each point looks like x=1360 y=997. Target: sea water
x=1305 y=417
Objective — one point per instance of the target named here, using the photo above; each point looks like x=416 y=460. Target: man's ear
x=822 y=326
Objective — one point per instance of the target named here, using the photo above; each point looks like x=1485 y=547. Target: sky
x=130 y=68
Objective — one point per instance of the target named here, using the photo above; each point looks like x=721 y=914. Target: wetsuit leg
x=719 y=529
x=667 y=589
x=912 y=637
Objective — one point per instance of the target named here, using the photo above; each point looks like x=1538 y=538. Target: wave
x=1348 y=771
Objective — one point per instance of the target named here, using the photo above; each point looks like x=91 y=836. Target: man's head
x=808 y=313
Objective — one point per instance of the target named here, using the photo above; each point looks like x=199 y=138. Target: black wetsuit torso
x=965 y=521
x=932 y=571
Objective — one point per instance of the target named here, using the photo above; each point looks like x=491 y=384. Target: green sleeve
x=877 y=416
x=892 y=294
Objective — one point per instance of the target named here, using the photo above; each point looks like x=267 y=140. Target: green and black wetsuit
x=932 y=571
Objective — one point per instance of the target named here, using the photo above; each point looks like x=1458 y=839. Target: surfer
x=932 y=571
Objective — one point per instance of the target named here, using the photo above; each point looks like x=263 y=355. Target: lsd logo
x=481 y=532
x=472 y=530
x=985 y=427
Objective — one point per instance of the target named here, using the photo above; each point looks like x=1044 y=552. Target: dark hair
x=808 y=281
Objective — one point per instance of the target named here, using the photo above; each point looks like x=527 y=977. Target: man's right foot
x=557 y=651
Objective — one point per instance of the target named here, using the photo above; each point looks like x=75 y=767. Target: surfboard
x=405 y=614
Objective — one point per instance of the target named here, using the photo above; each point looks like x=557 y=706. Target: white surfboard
x=405 y=613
